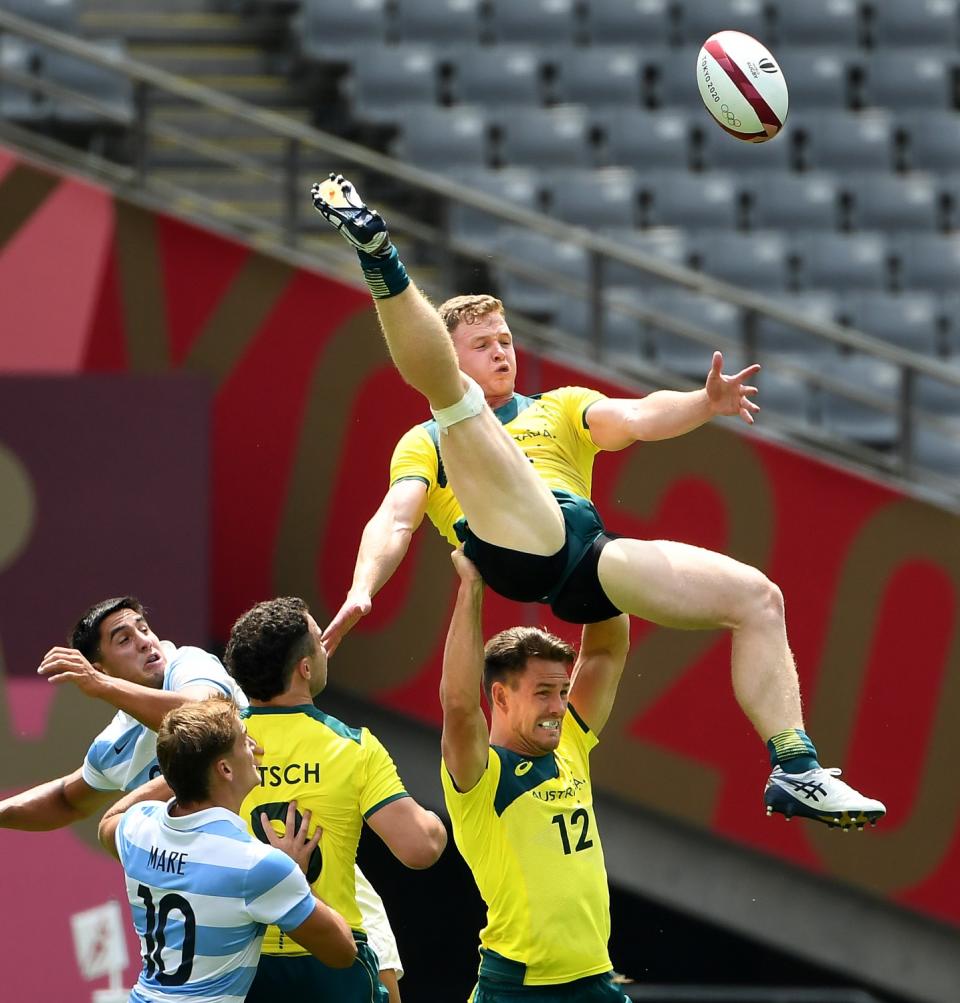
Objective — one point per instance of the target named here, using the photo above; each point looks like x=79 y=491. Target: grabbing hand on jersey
x=294 y=842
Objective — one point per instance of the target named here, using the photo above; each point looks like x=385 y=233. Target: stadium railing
x=298 y=152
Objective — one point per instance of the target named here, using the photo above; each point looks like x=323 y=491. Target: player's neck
x=296 y=696
x=494 y=402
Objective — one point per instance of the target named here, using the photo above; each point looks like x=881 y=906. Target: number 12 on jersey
x=578 y=820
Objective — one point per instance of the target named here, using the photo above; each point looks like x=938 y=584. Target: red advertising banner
x=306 y=409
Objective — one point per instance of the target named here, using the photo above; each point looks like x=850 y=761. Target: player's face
x=318 y=660
x=244 y=758
x=485 y=352
x=535 y=703
x=130 y=650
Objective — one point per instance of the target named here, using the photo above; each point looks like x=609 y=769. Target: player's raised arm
x=53 y=805
x=466 y=738
x=599 y=666
x=154 y=790
x=384 y=544
x=664 y=414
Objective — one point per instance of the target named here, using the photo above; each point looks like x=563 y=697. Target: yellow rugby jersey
x=550 y=428
x=528 y=834
x=342 y=774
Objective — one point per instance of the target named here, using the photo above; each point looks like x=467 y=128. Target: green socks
x=793 y=751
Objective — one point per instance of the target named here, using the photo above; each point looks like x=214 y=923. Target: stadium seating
x=634 y=22
x=600 y=78
x=518 y=186
x=444 y=138
x=389 y=81
x=907 y=320
x=653 y=139
x=887 y=202
x=504 y=76
x=594 y=198
x=759 y=261
x=690 y=200
x=843 y=262
x=543 y=22
x=809 y=201
x=775 y=338
x=555 y=136
x=438 y=21
x=818 y=22
x=61 y=15
x=913 y=22
x=701 y=18
x=334 y=29
x=911 y=78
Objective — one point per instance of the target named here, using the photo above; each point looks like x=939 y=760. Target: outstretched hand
x=730 y=395
x=357 y=605
x=293 y=842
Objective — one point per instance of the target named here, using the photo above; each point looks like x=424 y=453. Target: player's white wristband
x=469 y=406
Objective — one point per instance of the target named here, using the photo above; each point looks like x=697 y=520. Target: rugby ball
x=742 y=86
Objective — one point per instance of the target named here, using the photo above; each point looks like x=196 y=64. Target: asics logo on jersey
x=525 y=767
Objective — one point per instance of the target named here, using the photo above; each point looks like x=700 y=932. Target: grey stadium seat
x=17 y=103
x=913 y=22
x=793 y=201
x=666 y=244
x=854 y=419
x=701 y=18
x=601 y=77
x=690 y=200
x=884 y=201
x=931 y=261
x=389 y=80
x=334 y=29
x=684 y=355
x=109 y=88
x=497 y=77
x=593 y=198
x=562 y=261
x=675 y=75
x=774 y=337
x=933 y=140
x=817 y=22
x=446 y=21
x=630 y=22
x=60 y=15
x=517 y=186
x=935 y=451
x=648 y=138
x=542 y=22
x=757 y=260
x=551 y=137
x=847 y=141
x=843 y=261
x=716 y=150
x=819 y=77
x=911 y=78
x=440 y=138
x=906 y=320
x=937 y=397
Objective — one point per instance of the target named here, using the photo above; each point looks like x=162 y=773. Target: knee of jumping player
x=762 y=599
x=470 y=404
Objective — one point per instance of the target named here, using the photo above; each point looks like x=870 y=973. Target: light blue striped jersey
x=202 y=891
x=124 y=755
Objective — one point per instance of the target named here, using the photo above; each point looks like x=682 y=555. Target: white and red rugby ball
x=742 y=86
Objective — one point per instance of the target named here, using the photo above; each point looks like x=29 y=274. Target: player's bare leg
x=676 y=585
x=504 y=501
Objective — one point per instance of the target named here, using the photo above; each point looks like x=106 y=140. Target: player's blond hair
x=191 y=739
x=468 y=309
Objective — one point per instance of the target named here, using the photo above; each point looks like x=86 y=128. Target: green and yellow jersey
x=341 y=774
x=528 y=833
x=551 y=429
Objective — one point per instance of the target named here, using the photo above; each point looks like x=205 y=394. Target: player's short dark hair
x=85 y=636
x=190 y=740
x=506 y=654
x=468 y=309
x=265 y=645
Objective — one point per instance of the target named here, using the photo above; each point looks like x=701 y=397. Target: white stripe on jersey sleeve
x=279 y=900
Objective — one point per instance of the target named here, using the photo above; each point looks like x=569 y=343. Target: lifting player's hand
x=466 y=569
x=67 y=665
x=294 y=842
x=729 y=395
x=341 y=206
x=357 y=605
